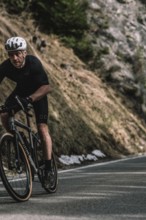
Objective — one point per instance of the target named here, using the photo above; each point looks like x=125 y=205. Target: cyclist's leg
x=41 y=113
x=46 y=140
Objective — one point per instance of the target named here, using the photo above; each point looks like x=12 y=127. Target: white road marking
x=102 y=163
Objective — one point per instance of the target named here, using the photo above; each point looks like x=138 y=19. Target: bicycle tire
x=41 y=165
x=16 y=179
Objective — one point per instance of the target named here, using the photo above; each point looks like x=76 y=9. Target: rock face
x=118 y=36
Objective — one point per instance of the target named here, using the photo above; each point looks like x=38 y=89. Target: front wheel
x=15 y=169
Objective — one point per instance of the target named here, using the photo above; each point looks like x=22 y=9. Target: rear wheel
x=15 y=170
x=40 y=162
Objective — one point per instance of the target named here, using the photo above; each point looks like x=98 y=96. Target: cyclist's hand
x=26 y=101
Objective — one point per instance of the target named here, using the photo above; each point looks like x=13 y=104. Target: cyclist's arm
x=40 y=92
x=40 y=80
x=2 y=76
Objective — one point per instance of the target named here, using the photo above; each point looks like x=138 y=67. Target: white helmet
x=15 y=43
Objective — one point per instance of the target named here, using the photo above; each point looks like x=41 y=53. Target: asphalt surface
x=107 y=191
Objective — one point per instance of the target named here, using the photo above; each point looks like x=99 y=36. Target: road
x=106 y=191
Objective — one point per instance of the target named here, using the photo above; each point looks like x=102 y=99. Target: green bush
x=65 y=17
x=16 y=6
x=82 y=47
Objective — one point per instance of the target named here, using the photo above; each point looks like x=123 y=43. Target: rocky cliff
x=118 y=36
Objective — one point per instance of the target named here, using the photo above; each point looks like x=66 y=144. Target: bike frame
x=14 y=127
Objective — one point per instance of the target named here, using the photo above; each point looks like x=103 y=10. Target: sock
x=48 y=165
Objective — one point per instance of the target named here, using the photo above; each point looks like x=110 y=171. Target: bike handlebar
x=4 y=108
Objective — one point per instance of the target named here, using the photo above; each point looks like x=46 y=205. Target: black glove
x=26 y=101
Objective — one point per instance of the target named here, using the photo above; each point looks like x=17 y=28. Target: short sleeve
x=2 y=72
x=39 y=74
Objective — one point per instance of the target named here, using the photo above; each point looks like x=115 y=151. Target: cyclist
x=32 y=86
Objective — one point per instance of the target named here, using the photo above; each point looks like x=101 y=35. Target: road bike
x=21 y=156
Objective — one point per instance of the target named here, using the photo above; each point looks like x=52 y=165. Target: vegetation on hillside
x=66 y=18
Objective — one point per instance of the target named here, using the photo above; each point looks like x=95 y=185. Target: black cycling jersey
x=28 y=78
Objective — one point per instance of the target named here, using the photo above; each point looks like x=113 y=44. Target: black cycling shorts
x=40 y=108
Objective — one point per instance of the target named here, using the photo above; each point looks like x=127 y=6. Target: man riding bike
x=32 y=86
